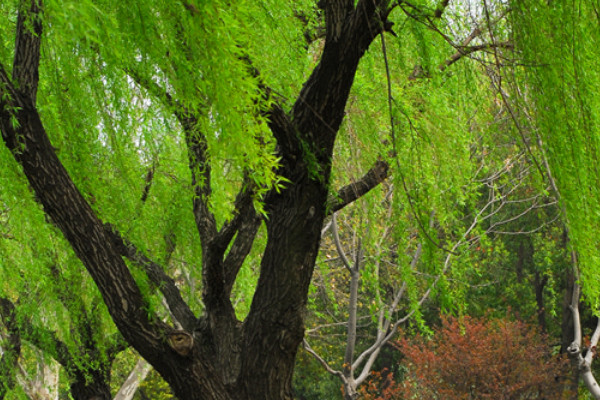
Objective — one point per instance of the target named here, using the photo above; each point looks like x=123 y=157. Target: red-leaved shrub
x=470 y=358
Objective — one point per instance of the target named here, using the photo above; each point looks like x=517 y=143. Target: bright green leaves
x=274 y=35
x=164 y=60
x=561 y=48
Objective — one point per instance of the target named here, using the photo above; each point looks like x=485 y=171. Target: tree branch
x=464 y=51
x=322 y=361
x=241 y=247
x=157 y=276
x=575 y=349
x=336 y=11
x=350 y=193
x=27 y=49
x=133 y=381
x=201 y=181
x=338 y=244
x=352 y=314
x=243 y=209
x=214 y=243
x=197 y=155
x=148 y=183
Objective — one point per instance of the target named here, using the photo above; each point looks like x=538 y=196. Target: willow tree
x=558 y=43
x=162 y=138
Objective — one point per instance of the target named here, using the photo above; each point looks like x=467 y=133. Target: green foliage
x=155 y=388
x=311 y=382
x=560 y=46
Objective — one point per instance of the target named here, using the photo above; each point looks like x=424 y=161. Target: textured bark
x=346 y=195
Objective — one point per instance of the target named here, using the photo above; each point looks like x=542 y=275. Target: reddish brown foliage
x=381 y=386
x=476 y=359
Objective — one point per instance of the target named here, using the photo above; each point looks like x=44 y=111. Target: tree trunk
x=567 y=330
x=350 y=392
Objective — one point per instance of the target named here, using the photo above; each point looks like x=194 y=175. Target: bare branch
x=338 y=244
x=463 y=51
x=322 y=361
x=131 y=384
x=349 y=193
x=352 y=311
x=312 y=331
x=575 y=349
x=593 y=343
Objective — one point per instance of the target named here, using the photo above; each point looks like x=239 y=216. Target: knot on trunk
x=181 y=341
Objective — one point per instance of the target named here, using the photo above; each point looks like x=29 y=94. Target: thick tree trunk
x=276 y=325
